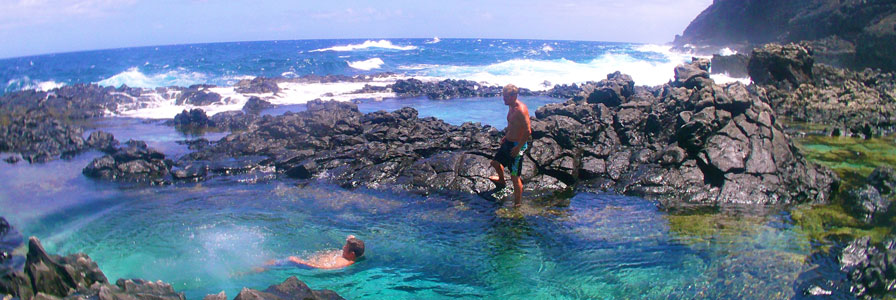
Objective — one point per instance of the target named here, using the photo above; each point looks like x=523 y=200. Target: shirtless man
x=335 y=259
x=513 y=144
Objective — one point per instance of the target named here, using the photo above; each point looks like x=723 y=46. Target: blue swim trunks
x=515 y=163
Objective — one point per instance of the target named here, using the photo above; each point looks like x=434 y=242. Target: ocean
x=532 y=64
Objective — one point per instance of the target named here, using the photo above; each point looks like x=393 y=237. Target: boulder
x=194 y=118
x=291 y=288
x=255 y=105
x=198 y=95
x=135 y=163
x=789 y=64
x=732 y=65
x=870 y=268
x=257 y=85
x=102 y=141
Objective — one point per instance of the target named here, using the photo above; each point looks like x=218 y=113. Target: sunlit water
x=207 y=237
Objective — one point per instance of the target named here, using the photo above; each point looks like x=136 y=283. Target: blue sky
x=29 y=27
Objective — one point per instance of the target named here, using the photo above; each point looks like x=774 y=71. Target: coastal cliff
x=854 y=34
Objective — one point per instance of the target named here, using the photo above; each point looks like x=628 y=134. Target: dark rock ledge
x=44 y=276
x=689 y=142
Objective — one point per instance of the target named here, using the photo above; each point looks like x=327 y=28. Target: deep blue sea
x=207 y=237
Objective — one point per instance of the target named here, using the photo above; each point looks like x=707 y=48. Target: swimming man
x=513 y=144
x=334 y=259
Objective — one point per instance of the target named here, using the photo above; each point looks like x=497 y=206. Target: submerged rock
x=871 y=268
x=291 y=288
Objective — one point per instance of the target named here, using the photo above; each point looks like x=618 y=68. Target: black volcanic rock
x=854 y=34
x=777 y=64
x=255 y=105
x=846 y=102
x=447 y=89
x=257 y=85
x=198 y=95
x=39 y=138
x=291 y=288
x=103 y=141
x=135 y=163
x=195 y=118
x=732 y=65
x=690 y=142
x=870 y=267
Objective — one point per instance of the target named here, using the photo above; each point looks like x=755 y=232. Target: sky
x=31 y=27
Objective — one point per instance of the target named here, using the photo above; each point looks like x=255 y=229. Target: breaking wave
x=382 y=44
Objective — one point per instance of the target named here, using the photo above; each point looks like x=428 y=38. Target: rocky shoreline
x=688 y=143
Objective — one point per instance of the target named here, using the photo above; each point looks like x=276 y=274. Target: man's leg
x=499 y=180
x=517 y=190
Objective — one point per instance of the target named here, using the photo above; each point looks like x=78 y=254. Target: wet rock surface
x=76 y=276
x=872 y=202
x=690 y=142
x=861 y=104
x=135 y=162
x=39 y=138
x=871 y=268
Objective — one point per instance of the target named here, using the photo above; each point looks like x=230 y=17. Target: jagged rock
x=291 y=288
x=871 y=268
x=853 y=34
x=867 y=202
x=777 y=64
x=135 y=162
x=612 y=91
x=447 y=89
x=732 y=65
x=218 y=296
x=39 y=138
x=195 y=118
x=884 y=179
x=255 y=105
x=198 y=95
x=257 y=85
x=103 y=141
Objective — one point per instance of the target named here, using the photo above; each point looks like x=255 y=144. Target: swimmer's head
x=353 y=249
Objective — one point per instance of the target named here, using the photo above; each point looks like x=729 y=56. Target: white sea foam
x=26 y=83
x=724 y=78
x=547 y=48
x=133 y=77
x=383 y=44
x=435 y=40
x=727 y=51
x=532 y=74
x=366 y=65
x=158 y=106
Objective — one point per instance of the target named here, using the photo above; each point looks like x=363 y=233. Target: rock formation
x=855 y=33
x=846 y=102
x=690 y=142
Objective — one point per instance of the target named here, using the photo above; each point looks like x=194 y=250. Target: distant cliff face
x=848 y=33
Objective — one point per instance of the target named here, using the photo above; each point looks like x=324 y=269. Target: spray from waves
x=543 y=74
x=532 y=74
x=435 y=40
x=26 y=83
x=366 y=65
x=132 y=77
x=383 y=44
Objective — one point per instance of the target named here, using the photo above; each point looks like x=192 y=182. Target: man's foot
x=498 y=182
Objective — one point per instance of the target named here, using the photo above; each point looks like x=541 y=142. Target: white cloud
x=25 y=13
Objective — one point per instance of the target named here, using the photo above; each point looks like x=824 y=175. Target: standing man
x=514 y=143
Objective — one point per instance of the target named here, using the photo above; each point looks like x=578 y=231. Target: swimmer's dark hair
x=356 y=246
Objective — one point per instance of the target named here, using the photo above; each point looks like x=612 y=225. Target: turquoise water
x=207 y=237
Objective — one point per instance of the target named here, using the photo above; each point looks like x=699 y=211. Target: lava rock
x=135 y=163
x=257 y=85
x=871 y=268
x=255 y=105
x=103 y=141
x=291 y=288
x=195 y=118
x=732 y=65
x=776 y=64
